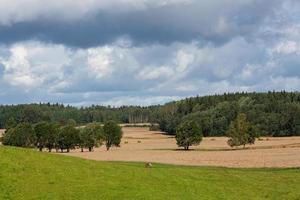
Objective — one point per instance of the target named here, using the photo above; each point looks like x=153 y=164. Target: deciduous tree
x=112 y=134
x=241 y=132
x=188 y=133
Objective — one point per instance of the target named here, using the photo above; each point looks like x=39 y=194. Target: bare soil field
x=142 y=145
x=1 y=132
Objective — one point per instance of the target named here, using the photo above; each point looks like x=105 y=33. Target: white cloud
x=151 y=73
x=285 y=83
x=17 y=69
x=186 y=88
x=100 y=62
x=288 y=47
x=143 y=100
x=30 y=64
x=183 y=60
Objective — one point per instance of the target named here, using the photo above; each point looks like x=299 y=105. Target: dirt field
x=1 y=132
x=139 y=144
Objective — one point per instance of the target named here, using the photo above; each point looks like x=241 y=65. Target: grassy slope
x=27 y=174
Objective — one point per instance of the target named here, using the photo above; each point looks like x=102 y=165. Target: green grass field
x=27 y=174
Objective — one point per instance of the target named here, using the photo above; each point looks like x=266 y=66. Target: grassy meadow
x=28 y=174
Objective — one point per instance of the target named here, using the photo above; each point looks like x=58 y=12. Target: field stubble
x=142 y=145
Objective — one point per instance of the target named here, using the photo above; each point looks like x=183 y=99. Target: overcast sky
x=143 y=52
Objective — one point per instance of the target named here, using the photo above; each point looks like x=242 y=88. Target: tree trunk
x=50 y=149
x=107 y=148
x=81 y=149
x=90 y=149
x=41 y=148
x=61 y=150
x=68 y=150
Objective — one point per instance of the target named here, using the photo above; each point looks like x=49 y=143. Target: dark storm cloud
x=201 y=20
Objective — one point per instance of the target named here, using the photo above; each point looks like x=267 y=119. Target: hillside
x=273 y=113
x=27 y=174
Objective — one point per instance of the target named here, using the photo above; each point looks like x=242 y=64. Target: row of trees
x=53 y=136
x=272 y=113
x=33 y=113
x=240 y=133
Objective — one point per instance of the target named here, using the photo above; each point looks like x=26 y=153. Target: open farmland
x=1 y=132
x=141 y=145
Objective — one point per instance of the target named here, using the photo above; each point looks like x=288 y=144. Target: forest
x=272 y=113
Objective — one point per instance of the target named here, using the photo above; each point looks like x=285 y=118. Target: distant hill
x=274 y=113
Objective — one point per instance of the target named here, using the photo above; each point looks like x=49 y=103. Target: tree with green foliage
x=10 y=123
x=52 y=137
x=273 y=113
x=188 y=133
x=68 y=138
x=22 y=135
x=42 y=132
x=46 y=134
x=91 y=136
x=71 y=122
x=241 y=132
x=112 y=134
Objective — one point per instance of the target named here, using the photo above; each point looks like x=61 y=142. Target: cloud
x=146 y=52
x=152 y=73
x=94 y=23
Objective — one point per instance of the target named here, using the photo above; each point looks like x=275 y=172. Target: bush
x=154 y=127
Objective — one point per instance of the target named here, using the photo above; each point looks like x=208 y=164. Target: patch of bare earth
x=141 y=145
x=2 y=132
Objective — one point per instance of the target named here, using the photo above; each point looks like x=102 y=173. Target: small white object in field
x=148 y=165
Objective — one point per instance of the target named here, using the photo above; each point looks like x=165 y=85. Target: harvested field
x=141 y=145
x=1 y=132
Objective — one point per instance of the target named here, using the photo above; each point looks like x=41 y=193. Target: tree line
x=52 y=136
x=62 y=138
x=272 y=113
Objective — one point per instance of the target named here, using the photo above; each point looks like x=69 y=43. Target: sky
x=145 y=52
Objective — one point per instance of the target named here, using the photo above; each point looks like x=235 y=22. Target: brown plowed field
x=141 y=145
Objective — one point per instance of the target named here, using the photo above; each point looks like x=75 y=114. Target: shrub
x=154 y=127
